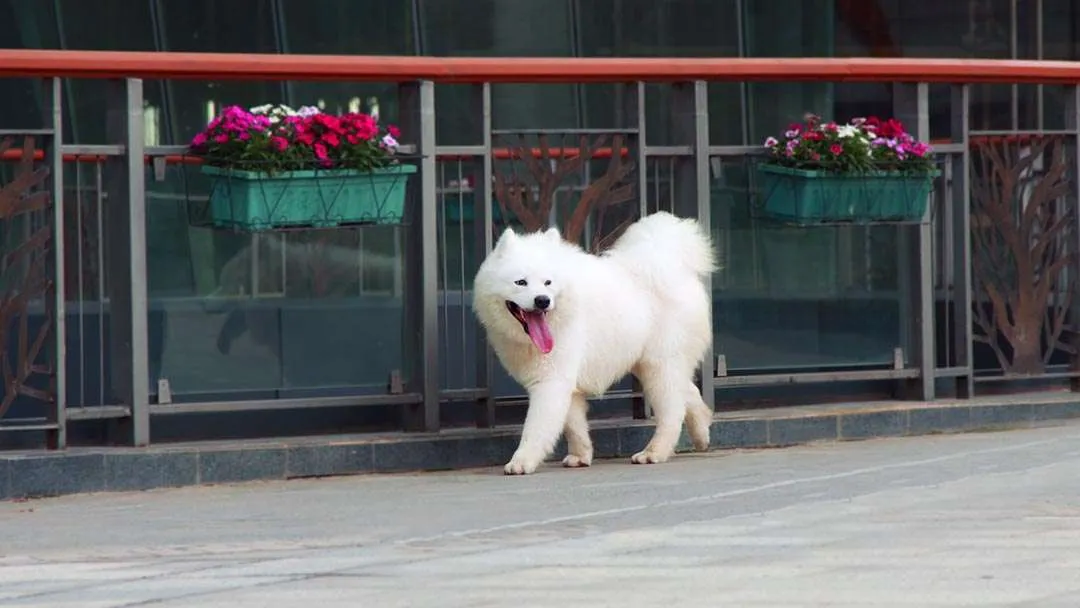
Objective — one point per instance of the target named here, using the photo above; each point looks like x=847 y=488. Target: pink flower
x=200 y=139
x=320 y=152
x=331 y=139
x=836 y=149
x=221 y=138
x=770 y=142
x=394 y=131
x=279 y=143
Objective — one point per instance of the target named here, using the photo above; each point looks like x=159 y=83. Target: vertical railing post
x=911 y=106
x=54 y=113
x=963 y=340
x=1072 y=124
x=125 y=239
x=483 y=235
x=421 y=329
x=690 y=126
x=631 y=110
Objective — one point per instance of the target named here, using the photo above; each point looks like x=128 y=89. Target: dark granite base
x=78 y=470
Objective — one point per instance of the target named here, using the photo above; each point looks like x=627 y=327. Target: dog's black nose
x=542 y=302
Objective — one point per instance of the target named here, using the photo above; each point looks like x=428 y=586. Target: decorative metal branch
x=25 y=277
x=1023 y=239
x=530 y=199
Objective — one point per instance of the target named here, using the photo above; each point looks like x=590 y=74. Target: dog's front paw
x=649 y=456
x=521 y=464
x=573 y=461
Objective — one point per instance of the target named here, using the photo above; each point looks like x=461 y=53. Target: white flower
x=306 y=111
x=770 y=142
x=847 y=131
x=274 y=112
x=389 y=142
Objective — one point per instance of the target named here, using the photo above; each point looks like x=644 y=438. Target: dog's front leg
x=549 y=404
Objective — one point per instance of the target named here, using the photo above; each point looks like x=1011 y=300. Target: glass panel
x=333 y=27
x=85 y=283
x=236 y=26
x=491 y=28
x=234 y=314
x=807 y=32
x=799 y=298
x=29 y=25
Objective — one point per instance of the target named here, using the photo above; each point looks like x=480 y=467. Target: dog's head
x=519 y=287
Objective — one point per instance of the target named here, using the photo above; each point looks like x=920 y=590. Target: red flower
x=394 y=131
x=320 y=152
x=836 y=149
x=331 y=139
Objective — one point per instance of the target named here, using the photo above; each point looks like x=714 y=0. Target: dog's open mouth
x=535 y=324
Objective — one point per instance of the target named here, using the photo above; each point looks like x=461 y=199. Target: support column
x=421 y=330
x=53 y=113
x=483 y=235
x=963 y=340
x=911 y=106
x=125 y=240
x=690 y=126
x=1072 y=123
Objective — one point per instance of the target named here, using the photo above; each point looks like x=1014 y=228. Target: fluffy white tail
x=668 y=242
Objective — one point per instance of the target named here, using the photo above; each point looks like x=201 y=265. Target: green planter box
x=254 y=201
x=816 y=197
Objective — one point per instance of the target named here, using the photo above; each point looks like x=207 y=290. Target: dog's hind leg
x=698 y=418
x=579 y=446
x=666 y=393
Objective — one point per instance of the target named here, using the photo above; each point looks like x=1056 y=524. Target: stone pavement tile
x=149 y=591
x=64 y=572
x=977 y=586
x=147 y=470
x=938 y=419
x=57 y=474
x=790 y=431
x=873 y=424
x=235 y=465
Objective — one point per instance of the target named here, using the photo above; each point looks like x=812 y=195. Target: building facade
x=298 y=315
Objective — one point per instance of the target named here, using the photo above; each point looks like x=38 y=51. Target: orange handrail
x=15 y=154
x=237 y=66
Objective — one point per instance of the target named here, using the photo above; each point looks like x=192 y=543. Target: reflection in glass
x=799 y=298
x=273 y=313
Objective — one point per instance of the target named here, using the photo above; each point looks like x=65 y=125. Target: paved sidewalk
x=987 y=519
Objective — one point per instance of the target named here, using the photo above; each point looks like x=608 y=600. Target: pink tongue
x=539 y=331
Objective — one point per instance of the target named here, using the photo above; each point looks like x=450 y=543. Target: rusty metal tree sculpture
x=530 y=197
x=26 y=237
x=1024 y=238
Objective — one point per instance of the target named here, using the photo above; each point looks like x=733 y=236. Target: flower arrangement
x=274 y=139
x=861 y=146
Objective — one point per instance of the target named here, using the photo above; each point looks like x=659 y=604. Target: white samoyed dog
x=567 y=325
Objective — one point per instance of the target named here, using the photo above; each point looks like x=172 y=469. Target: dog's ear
x=552 y=234
x=507 y=238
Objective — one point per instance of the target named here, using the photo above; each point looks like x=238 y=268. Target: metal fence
x=379 y=316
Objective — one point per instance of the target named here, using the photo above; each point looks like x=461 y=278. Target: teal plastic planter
x=254 y=201
x=805 y=197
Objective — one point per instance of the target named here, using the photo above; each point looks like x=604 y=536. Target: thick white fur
x=639 y=308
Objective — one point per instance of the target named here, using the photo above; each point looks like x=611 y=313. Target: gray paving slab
x=988 y=519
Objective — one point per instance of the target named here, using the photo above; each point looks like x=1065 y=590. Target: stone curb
x=79 y=470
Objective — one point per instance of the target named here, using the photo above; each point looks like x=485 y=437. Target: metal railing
x=104 y=334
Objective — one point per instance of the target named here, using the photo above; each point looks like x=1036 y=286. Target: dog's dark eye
x=547 y=282
x=521 y=282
